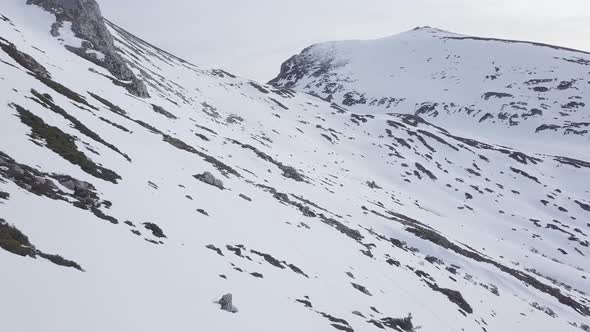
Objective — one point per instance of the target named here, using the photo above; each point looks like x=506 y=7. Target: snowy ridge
x=511 y=92
x=314 y=216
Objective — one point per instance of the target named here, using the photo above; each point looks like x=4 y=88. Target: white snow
x=130 y=284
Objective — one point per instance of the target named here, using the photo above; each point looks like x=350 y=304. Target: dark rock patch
x=209 y=179
x=233 y=119
x=237 y=250
x=279 y=104
x=426 y=171
x=404 y=324
x=306 y=303
x=453 y=296
x=214 y=248
x=223 y=168
x=162 y=111
x=121 y=112
x=361 y=289
x=288 y=171
x=155 y=229
x=32 y=180
x=271 y=260
x=572 y=162
x=116 y=125
x=258 y=87
x=488 y=95
x=583 y=206
x=337 y=323
x=245 y=197
x=373 y=185
x=226 y=303
x=525 y=174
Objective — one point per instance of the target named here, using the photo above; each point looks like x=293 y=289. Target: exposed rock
x=245 y=197
x=161 y=110
x=24 y=59
x=226 y=303
x=233 y=119
x=289 y=172
x=221 y=167
x=361 y=289
x=38 y=183
x=453 y=296
x=214 y=248
x=292 y=173
x=209 y=179
x=405 y=324
x=358 y=313
x=83 y=191
x=373 y=185
x=156 y=230
x=88 y=24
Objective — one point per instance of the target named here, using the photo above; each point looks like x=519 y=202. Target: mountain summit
x=139 y=192
x=502 y=90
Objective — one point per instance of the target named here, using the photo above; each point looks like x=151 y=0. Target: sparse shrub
x=14 y=241
x=63 y=144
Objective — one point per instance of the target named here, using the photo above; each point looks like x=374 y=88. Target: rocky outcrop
x=373 y=185
x=155 y=229
x=87 y=24
x=209 y=179
x=226 y=303
x=83 y=191
x=307 y=63
x=24 y=59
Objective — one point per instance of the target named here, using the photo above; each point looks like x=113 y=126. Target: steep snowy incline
x=510 y=92
x=126 y=211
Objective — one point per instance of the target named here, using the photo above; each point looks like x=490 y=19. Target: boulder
x=209 y=179
x=226 y=303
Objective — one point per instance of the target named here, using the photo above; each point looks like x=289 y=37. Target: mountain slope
x=124 y=211
x=510 y=92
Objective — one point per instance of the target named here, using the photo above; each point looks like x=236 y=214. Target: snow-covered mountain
x=137 y=190
x=510 y=92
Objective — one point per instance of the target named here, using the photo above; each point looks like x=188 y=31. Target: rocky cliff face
x=87 y=24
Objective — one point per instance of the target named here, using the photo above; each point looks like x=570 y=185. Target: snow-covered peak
x=507 y=91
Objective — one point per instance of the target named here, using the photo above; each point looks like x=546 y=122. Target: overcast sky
x=252 y=38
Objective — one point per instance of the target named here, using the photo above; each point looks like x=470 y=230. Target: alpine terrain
x=426 y=181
